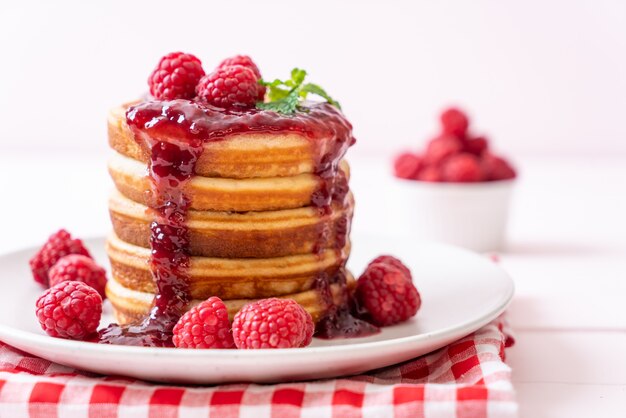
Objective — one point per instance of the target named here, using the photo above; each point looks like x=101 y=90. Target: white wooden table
x=567 y=255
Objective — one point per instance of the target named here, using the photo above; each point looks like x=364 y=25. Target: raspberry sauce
x=172 y=161
x=338 y=321
x=328 y=129
x=173 y=132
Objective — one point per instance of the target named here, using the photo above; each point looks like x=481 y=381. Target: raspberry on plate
x=272 y=323
x=407 y=165
x=204 y=326
x=58 y=245
x=496 y=168
x=454 y=121
x=309 y=330
x=462 y=168
x=229 y=87
x=392 y=261
x=441 y=148
x=175 y=77
x=387 y=294
x=79 y=268
x=69 y=310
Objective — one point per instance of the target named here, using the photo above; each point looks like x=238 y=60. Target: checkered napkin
x=466 y=379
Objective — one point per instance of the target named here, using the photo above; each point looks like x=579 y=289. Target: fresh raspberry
x=244 y=61
x=387 y=294
x=392 y=261
x=407 y=165
x=204 y=326
x=79 y=268
x=175 y=77
x=229 y=87
x=430 y=174
x=441 y=148
x=496 y=168
x=69 y=310
x=58 y=245
x=462 y=168
x=454 y=121
x=271 y=323
x=309 y=330
x=260 y=96
x=247 y=62
x=476 y=146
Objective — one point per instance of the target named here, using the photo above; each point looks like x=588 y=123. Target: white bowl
x=470 y=215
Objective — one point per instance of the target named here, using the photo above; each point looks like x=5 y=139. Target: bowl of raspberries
x=457 y=189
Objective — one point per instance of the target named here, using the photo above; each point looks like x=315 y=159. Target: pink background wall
x=539 y=77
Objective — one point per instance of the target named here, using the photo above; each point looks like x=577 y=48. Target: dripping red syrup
x=174 y=132
x=171 y=165
x=339 y=320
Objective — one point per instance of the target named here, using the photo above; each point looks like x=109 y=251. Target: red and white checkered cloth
x=467 y=379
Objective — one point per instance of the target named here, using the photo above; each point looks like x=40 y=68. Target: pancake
x=251 y=204
x=221 y=194
x=240 y=235
x=228 y=278
x=248 y=155
x=132 y=305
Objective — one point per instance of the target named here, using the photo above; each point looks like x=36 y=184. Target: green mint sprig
x=284 y=96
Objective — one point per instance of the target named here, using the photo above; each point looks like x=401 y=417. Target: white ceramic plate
x=461 y=292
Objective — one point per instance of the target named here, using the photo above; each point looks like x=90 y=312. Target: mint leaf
x=274 y=83
x=298 y=76
x=274 y=90
x=286 y=105
x=277 y=93
x=284 y=96
x=315 y=89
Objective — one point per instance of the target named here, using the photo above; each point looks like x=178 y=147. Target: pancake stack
x=268 y=209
